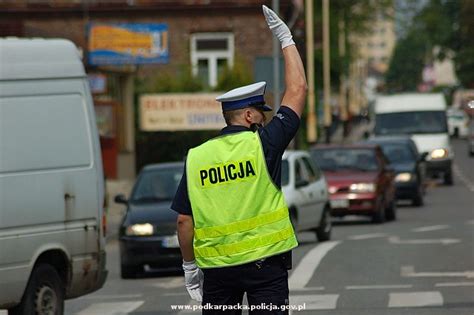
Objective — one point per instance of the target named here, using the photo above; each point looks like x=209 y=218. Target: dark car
x=408 y=164
x=147 y=235
x=360 y=180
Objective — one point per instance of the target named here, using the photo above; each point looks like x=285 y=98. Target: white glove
x=278 y=27
x=193 y=279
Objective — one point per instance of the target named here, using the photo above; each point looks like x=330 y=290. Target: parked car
x=458 y=122
x=408 y=164
x=147 y=234
x=360 y=180
x=306 y=194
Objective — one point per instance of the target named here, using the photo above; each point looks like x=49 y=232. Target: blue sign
x=128 y=43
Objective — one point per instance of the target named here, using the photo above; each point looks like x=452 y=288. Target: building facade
x=204 y=35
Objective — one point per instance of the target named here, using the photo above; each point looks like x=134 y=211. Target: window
x=314 y=173
x=211 y=54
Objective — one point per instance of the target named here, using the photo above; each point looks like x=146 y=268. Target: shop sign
x=185 y=111
x=127 y=43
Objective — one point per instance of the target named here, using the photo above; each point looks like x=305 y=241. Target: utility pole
x=276 y=63
x=342 y=75
x=326 y=71
x=312 y=122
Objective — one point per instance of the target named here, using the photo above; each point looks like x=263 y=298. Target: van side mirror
x=121 y=199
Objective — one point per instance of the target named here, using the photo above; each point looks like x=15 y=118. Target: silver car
x=306 y=194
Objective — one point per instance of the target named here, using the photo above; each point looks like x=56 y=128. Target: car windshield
x=411 y=123
x=397 y=152
x=157 y=185
x=345 y=159
x=285 y=174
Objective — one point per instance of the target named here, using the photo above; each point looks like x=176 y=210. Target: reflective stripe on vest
x=239 y=214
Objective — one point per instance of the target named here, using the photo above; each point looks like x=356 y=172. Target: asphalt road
x=423 y=263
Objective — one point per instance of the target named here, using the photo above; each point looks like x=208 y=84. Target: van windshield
x=411 y=123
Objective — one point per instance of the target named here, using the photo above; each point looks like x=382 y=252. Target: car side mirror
x=301 y=183
x=120 y=198
x=366 y=135
x=423 y=156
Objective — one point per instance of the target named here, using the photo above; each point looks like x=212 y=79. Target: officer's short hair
x=230 y=115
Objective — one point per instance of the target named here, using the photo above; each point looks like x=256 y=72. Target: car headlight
x=333 y=189
x=439 y=154
x=139 y=229
x=362 y=187
x=403 y=177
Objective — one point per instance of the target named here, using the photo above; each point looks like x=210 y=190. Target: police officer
x=233 y=224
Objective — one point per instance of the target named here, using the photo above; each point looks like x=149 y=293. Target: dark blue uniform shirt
x=275 y=137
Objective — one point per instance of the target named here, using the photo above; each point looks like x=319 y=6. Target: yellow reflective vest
x=239 y=214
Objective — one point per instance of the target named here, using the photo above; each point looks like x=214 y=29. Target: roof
x=39 y=59
x=410 y=102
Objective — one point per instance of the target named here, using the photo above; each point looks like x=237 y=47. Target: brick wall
x=252 y=37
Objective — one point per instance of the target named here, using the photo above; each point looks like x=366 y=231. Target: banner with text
x=128 y=43
x=184 y=111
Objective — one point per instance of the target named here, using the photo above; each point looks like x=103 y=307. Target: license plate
x=340 y=203
x=170 y=241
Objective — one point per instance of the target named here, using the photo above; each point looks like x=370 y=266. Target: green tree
x=447 y=24
x=406 y=66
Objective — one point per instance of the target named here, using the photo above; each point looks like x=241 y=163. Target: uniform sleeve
x=281 y=129
x=276 y=136
x=181 y=203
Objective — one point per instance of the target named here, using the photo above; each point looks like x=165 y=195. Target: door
x=305 y=185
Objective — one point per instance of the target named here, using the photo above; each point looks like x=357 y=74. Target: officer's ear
x=248 y=115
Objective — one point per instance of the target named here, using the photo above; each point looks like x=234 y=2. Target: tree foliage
x=406 y=65
x=447 y=24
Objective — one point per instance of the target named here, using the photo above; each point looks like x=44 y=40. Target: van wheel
x=44 y=294
x=323 y=232
x=129 y=271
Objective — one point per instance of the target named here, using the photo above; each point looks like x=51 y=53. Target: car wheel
x=129 y=271
x=379 y=215
x=44 y=293
x=323 y=232
x=391 y=211
x=418 y=201
x=448 y=177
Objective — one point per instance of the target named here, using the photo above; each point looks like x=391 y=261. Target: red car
x=360 y=180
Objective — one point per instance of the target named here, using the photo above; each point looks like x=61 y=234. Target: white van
x=423 y=116
x=52 y=242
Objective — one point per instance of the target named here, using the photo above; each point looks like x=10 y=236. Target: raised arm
x=295 y=79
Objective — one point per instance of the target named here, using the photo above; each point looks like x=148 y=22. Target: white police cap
x=245 y=96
